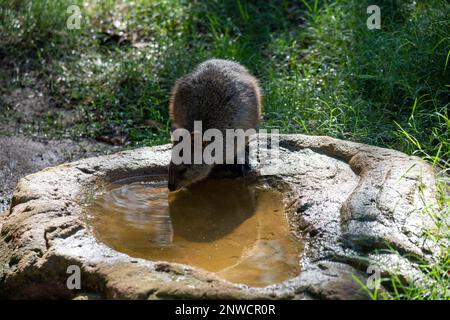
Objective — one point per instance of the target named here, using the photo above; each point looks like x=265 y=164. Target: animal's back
x=220 y=93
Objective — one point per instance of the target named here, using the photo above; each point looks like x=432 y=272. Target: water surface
x=225 y=226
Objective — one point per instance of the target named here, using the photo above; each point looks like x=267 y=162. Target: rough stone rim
x=64 y=236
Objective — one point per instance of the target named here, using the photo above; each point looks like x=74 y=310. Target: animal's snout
x=171 y=186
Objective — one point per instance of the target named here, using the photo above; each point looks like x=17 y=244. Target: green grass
x=321 y=70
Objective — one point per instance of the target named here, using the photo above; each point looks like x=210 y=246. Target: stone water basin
x=230 y=227
x=305 y=225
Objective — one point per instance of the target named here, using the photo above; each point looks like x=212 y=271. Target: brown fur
x=220 y=93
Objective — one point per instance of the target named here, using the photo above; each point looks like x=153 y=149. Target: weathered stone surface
x=349 y=203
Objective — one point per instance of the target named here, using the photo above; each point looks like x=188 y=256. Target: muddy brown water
x=225 y=226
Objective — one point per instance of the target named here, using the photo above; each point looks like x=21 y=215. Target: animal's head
x=185 y=172
x=182 y=175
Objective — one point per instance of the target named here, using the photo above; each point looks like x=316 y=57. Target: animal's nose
x=171 y=186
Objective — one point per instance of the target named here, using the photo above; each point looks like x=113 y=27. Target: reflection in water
x=223 y=226
x=211 y=211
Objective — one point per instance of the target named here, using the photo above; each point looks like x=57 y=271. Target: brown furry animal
x=220 y=93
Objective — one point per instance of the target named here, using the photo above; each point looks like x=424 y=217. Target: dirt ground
x=22 y=154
